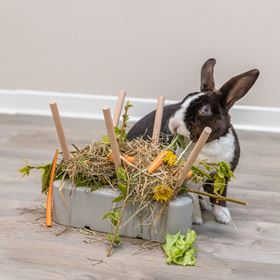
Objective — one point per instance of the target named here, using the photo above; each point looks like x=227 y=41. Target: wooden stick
x=50 y=192
x=158 y=119
x=60 y=131
x=218 y=197
x=193 y=155
x=118 y=108
x=112 y=136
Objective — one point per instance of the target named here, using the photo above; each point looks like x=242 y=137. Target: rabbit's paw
x=222 y=214
x=197 y=220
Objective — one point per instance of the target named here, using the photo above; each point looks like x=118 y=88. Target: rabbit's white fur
x=221 y=149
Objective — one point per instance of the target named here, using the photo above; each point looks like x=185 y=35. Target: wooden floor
x=30 y=251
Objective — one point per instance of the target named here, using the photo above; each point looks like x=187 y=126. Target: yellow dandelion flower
x=162 y=193
x=170 y=158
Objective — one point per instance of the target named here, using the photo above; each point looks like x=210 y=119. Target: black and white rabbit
x=209 y=107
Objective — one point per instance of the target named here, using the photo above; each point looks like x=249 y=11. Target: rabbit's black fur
x=144 y=127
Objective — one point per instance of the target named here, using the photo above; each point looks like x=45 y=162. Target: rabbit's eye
x=205 y=111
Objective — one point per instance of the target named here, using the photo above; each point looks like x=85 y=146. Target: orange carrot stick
x=128 y=158
x=189 y=174
x=110 y=157
x=50 y=192
x=156 y=163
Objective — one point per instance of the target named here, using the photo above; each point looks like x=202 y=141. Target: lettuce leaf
x=179 y=249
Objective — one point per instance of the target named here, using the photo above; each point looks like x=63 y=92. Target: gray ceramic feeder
x=85 y=208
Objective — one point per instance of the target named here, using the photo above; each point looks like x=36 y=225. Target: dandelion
x=170 y=158
x=162 y=193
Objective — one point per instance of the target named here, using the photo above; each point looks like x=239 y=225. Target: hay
x=89 y=167
x=92 y=168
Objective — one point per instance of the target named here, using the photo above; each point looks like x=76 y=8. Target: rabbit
x=208 y=107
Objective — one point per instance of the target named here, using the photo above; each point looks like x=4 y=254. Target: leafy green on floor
x=45 y=170
x=179 y=249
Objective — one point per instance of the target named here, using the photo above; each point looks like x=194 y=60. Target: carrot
x=50 y=192
x=156 y=163
x=128 y=158
x=110 y=157
x=189 y=174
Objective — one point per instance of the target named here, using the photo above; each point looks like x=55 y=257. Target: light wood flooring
x=30 y=251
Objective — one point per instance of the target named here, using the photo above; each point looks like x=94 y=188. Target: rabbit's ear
x=237 y=87
x=207 y=75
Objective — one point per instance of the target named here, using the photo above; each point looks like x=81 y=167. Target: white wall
x=147 y=47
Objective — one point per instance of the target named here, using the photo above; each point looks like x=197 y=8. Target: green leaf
x=122 y=188
x=46 y=172
x=121 y=132
x=105 y=139
x=113 y=215
x=118 y=198
x=227 y=169
x=181 y=142
x=121 y=173
x=199 y=172
x=128 y=104
x=117 y=132
x=116 y=240
x=220 y=173
x=206 y=166
x=219 y=184
x=179 y=249
x=25 y=171
x=120 y=135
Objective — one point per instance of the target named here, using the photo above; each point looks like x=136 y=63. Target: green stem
x=180 y=156
x=116 y=231
x=218 y=197
x=173 y=141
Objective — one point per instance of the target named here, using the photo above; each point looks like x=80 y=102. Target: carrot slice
x=50 y=192
x=156 y=163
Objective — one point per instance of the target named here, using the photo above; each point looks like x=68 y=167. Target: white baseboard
x=89 y=106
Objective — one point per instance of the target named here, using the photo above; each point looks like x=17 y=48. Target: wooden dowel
x=112 y=136
x=118 y=107
x=60 y=131
x=193 y=155
x=158 y=119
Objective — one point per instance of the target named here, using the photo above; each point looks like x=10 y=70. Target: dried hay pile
x=91 y=167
